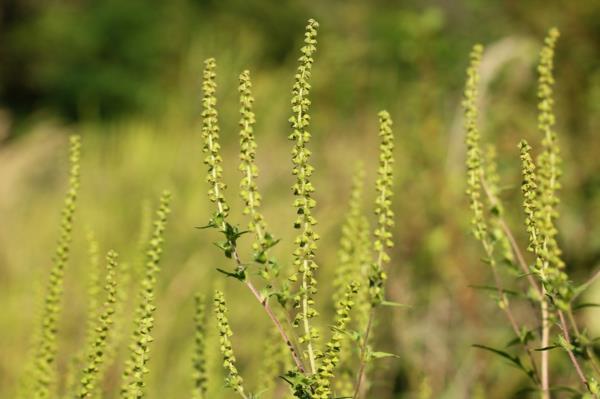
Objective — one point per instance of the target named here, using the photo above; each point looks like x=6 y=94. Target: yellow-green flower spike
x=331 y=355
x=347 y=269
x=248 y=187
x=482 y=177
x=473 y=139
x=210 y=134
x=306 y=242
x=529 y=189
x=136 y=367
x=96 y=352
x=549 y=161
x=94 y=288
x=233 y=379
x=200 y=373
x=44 y=379
x=555 y=281
x=383 y=209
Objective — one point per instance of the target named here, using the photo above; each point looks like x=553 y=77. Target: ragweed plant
x=233 y=379
x=248 y=186
x=133 y=385
x=331 y=356
x=383 y=240
x=548 y=283
x=306 y=242
x=199 y=361
x=313 y=369
x=354 y=261
x=40 y=382
x=96 y=351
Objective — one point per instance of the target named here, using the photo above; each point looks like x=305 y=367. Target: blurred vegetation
x=126 y=75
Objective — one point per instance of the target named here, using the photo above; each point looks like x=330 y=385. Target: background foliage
x=126 y=76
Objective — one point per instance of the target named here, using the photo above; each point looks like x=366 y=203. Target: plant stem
x=588 y=350
x=267 y=307
x=581 y=289
x=511 y=239
x=567 y=337
x=513 y=322
x=545 y=343
x=265 y=304
x=545 y=379
x=363 y=353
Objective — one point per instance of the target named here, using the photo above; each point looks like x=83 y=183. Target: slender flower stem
x=363 y=355
x=585 y=285
x=511 y=239
x=545 y=343
x=265 y=304
x=565 y=329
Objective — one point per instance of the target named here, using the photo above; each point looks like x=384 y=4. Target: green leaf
x=546 y=348
x=586 y=305
x=382 y=355
x=525 y=337
x=494 y=289
x=238 y=274
x=514 y=360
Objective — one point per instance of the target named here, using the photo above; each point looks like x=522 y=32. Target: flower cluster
x=212 y=148
x=473 y=138
x=136 y=367
x=233 y=379
x=45 y=354
x=306 y=242
x=383 y=209
x=248 y=188
x=331 y=356
x=96 y=353
x=200 y=377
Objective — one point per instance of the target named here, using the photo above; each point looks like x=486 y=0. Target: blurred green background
x=126 y=75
